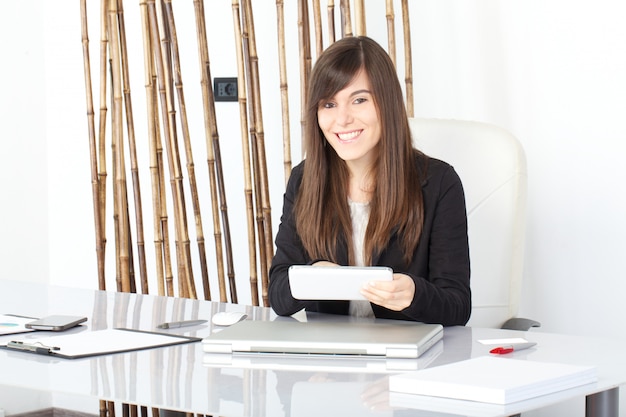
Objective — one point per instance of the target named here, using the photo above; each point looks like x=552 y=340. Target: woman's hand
x=396 y=294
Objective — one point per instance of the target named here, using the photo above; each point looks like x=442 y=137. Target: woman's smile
x=347 y=137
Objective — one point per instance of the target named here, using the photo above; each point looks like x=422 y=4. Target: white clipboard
x=94 y=343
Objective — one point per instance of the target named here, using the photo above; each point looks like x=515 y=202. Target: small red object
x=502 y=350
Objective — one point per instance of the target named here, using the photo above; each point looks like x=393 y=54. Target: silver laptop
x=380 y=338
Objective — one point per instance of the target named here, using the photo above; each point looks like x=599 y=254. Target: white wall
x=552 y=72
x=23 y=154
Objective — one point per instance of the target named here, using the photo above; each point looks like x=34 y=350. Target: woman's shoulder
x=297 y=171
x=295 y=176
x=298 y=168
x=430 y=168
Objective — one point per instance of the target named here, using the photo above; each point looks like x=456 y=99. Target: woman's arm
x=289 y=251
x=442 y=293
x=434 y=288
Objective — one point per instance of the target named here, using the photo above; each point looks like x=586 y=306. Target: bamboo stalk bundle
x=173 y=81
x=359 y=18
x=214 y=166
x=246 y=152
x=169 y=121
x=160 y=218
x=346 y=19
x=252 y=120
x=305 y=58
x=330 y=17
x=165 y=83
x=317 y=23
x=130 y=126
x=250 y=111
x=284 y=93
x=408 y=60
x=266 y=243
x=186 y=282
x=93 y=153
x=391 y=31
x=165 y=100
x=170 y=23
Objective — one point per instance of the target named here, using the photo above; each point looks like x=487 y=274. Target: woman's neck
x=361 y=185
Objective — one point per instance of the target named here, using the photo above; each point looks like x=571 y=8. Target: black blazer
x=440 y=267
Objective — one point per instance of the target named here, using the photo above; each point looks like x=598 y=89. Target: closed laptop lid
x=344 y=364
x=382 y=338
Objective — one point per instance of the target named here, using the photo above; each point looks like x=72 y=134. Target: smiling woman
x=363 y=196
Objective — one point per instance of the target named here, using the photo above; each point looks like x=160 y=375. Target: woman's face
x=350 y=123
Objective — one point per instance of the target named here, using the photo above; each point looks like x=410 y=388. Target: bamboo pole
x=130 y=126
x=252 y=119
x=391 y=31
x=408 y=59
x=266 y=238
x=359 y=18
x=284 y=90
x=116 y=220
x=93 y=153
x=346 y=19
x=224 y=208
x=102 y=173
x=168 y=114
x=245 y=146
x=175 y=80
x=201 y=34
x=317 y=23
x=168 y=117
x=305 y=60
x=120 y=194
x=150 y=84
x=210 y=123
x=186 y=277
x=169 y=49
x=330 y=17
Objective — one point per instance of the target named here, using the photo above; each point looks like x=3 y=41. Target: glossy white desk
x=183 y=378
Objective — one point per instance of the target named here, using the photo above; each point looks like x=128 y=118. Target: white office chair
x=492 y=167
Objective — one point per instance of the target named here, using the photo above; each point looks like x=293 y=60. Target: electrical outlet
x=225 y=89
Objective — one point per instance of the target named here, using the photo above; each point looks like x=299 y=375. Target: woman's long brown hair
x=321 y=211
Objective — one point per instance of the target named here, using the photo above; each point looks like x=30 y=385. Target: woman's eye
x=328 y=105
x=360 y=100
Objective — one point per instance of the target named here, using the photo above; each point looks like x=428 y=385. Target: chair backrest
x=492 y=167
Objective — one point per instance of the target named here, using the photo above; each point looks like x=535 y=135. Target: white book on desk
x=493 y=380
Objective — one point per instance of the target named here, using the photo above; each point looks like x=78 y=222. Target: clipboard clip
x=35 y=347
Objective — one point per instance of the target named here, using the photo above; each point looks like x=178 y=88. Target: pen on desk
x=501 y=350
x=177 y=324
x=36 y=347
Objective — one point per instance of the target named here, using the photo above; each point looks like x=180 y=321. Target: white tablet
x=310 y=282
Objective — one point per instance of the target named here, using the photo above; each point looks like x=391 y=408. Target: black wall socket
x=225 y=89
